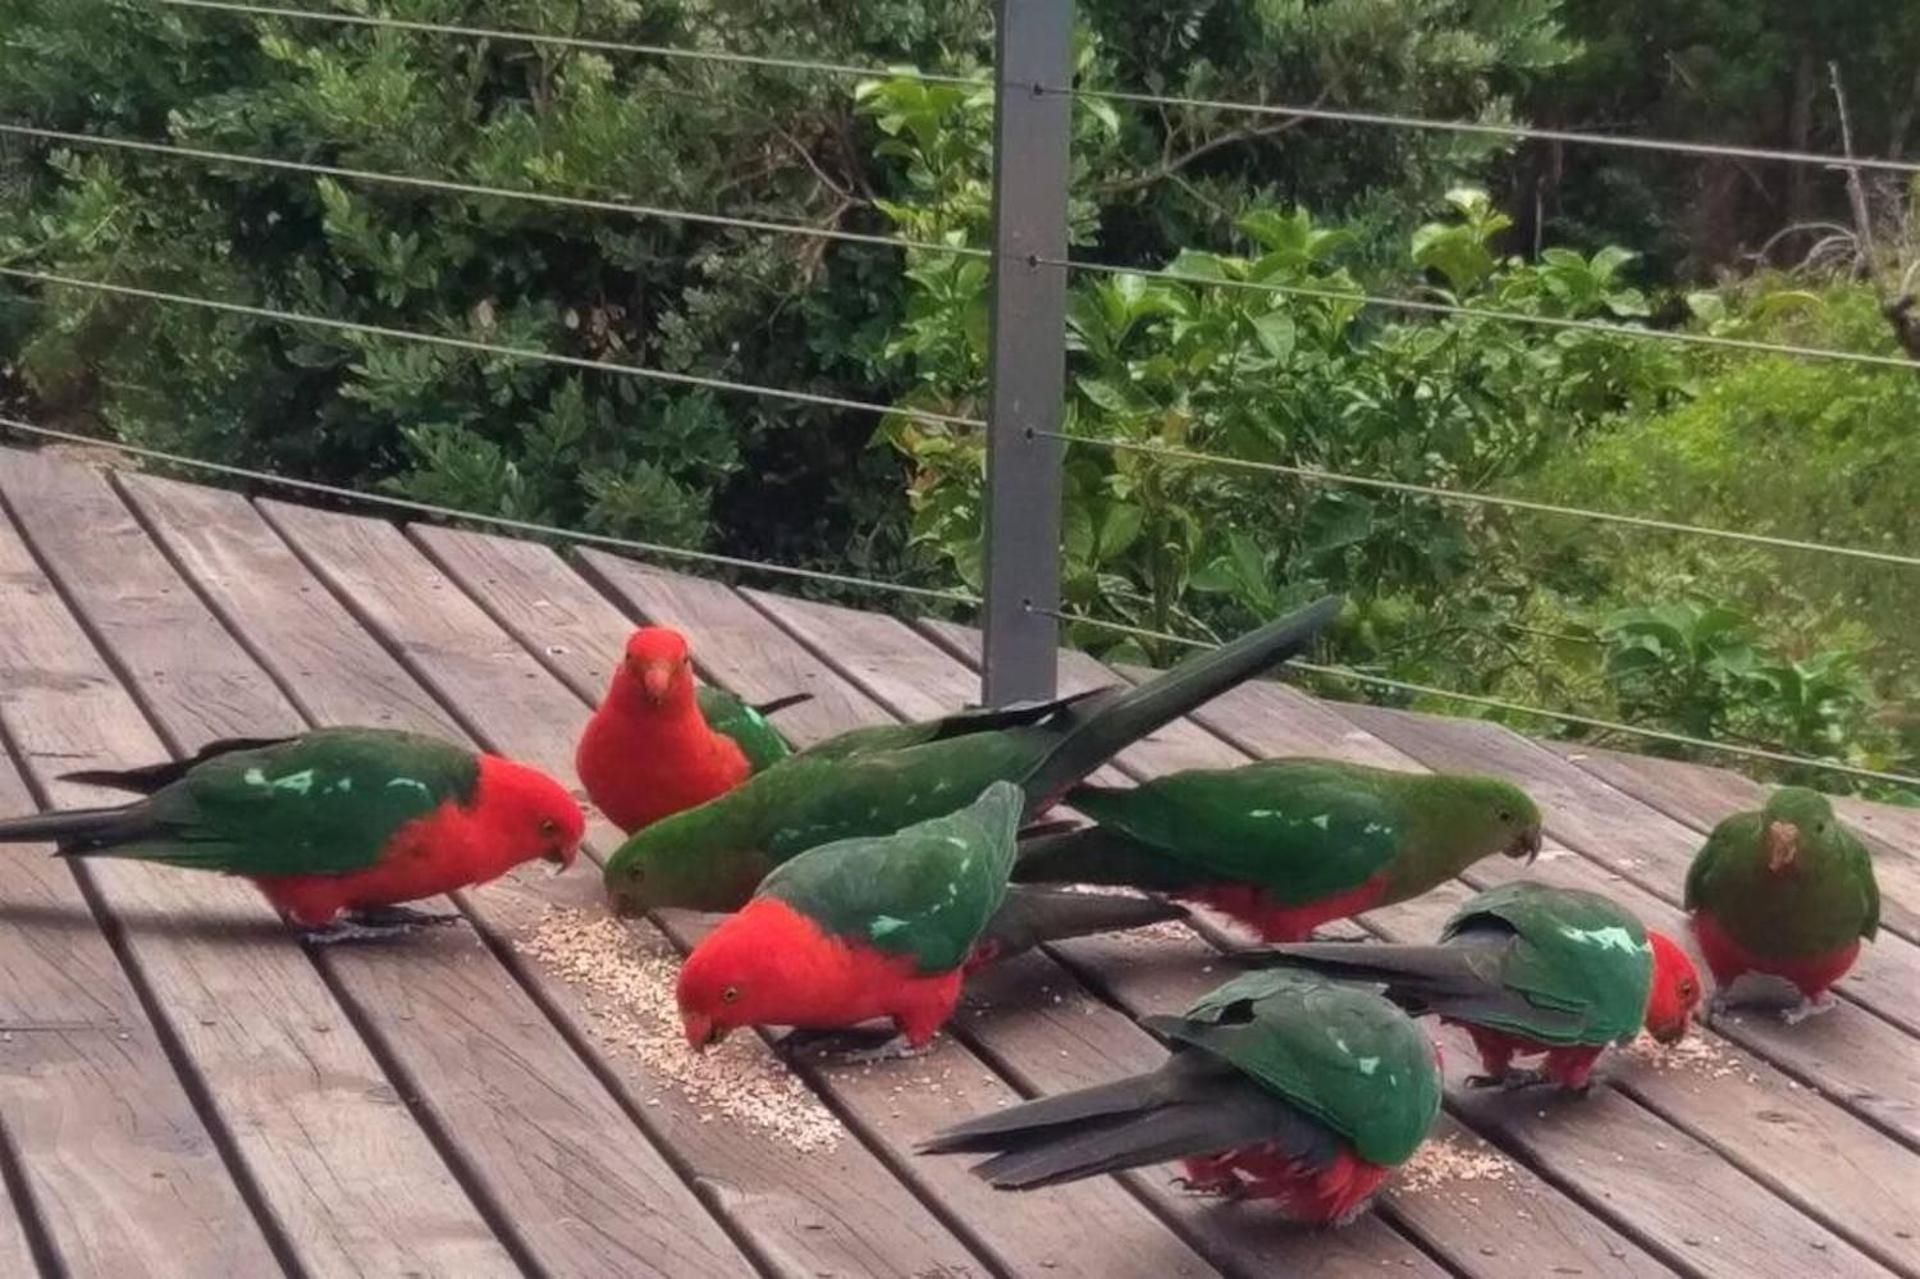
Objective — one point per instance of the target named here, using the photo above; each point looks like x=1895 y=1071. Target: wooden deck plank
x=1543 y=1229
x=346 y=1176
x=514 y=703
x=1700 y=797
x=1809 y=1150
x=530 y=1131
x=860 y=1221
x=1051 y=1047
x=117 y=1189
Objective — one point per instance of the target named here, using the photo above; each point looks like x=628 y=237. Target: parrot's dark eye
x=731 y=995
x=1686 y=990
x=1506 y=815
x=549 y=827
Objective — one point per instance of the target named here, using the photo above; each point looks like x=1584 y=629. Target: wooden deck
x=185 y=1090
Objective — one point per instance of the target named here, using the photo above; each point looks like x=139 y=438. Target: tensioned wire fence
x=1021 y=602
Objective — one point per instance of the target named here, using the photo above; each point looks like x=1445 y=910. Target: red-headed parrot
x=1787 y=891
x=659 y=743
x=712 y=857
x=1527 y=969
x=1285 y=845
x=859 y=929
x=338 y=821
x=1280 y=1086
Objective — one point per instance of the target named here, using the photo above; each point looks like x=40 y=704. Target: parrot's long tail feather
x=148 y=779
x=1366 y=961
x=75 y=830
x=1096 y=855
x=779 y=704
x=1096 y=730
x=1187 y=1108
x=1030 y=916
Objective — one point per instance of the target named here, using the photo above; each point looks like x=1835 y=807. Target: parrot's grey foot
x=1809 y=1008
x=1515 y=1080
x=898 y=1048
x=1223 y=1188
x=835 y=1044
x=402 y=917
x=348 y=930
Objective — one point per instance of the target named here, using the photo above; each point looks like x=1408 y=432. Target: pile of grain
x=1444 y=1161
x=628 y=986
x=1697 y=1054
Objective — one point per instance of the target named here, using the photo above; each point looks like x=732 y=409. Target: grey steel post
x=1033 y=65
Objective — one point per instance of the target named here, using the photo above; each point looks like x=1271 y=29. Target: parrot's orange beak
x=655 y=679
x=1670 y=1032
x=1783 y=845
x=702 y=1031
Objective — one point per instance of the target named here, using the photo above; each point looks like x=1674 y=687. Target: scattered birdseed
x=1696 y=1054
x=1445 y=1160
x=628 y=986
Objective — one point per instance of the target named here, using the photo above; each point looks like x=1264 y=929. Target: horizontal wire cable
x=1514 y=132
x=473 y=189
x=1517 y=132
x=480 y=517
x=580 y=42
x=1469 y=498
x=1567 y=717
x=1485 y=313
x=489 y=348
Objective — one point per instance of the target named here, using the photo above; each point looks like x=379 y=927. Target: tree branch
x=1899 y=310
x=1172 y=164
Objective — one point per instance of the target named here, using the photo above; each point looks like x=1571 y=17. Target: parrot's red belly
x=1728 y=959
x=1319 y=1195
x=638 y=774
x=1286 y=922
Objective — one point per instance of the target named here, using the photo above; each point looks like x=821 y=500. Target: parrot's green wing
x=1300 y=829
x=1742 y=830
x=927 y=891
x=325 y=803
x=757 y=739
x=1578 y=953
x=1343 y=1055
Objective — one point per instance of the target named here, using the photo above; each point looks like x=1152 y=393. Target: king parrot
x=1787 y=891
x=337 y=821
x=857 y=929
x=1280 y=1086
x=711 y=857
x=1285 y=845
x=659 y=744
x=1527 y=968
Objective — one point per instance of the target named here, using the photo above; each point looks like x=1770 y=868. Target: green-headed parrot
x=1285 y=845
x=1280 y=1086
x=1787 y=891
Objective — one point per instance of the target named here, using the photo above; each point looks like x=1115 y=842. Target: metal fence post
x=1033 y=65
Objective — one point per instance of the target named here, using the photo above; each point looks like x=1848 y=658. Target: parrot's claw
x=1808 y=1008
x=851 y=1047
x=1511 y=1081
x=1223 y=1188
x=347 y=930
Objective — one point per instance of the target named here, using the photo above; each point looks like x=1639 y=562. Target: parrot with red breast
x=1285 y=845
x=1526 y=969
x=1280 y=1086
x=1786 y=891
x=876 y=781
x=859 y=929
x=337 y=827
x=660 y=743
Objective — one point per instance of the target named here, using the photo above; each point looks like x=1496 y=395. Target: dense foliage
x=1169 y=357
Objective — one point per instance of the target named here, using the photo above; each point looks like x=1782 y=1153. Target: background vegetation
x=1795 y=651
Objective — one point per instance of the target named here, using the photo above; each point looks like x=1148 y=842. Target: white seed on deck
x=1446 y=1159
x=629 y=989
